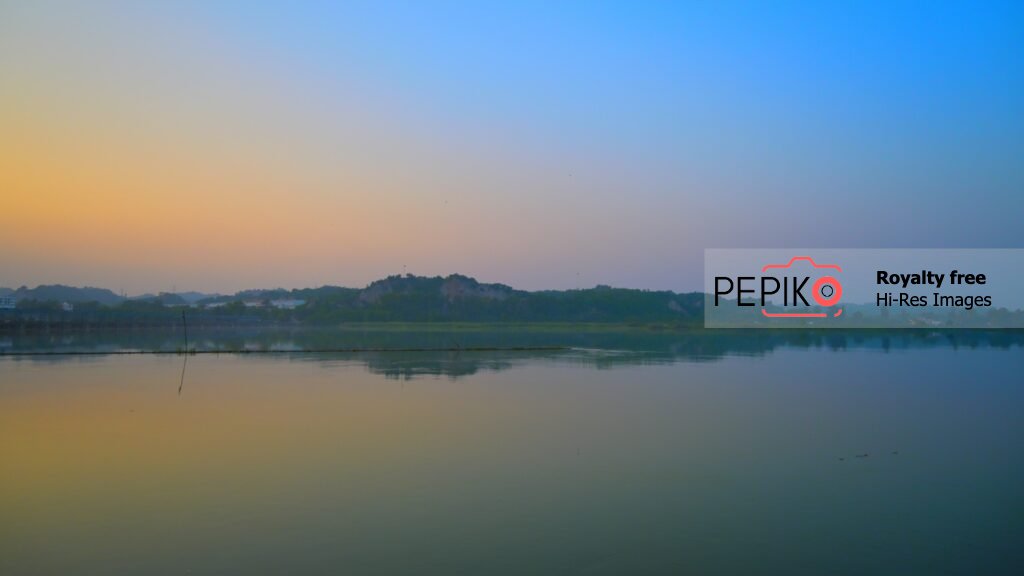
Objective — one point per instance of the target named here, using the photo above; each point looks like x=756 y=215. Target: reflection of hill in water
x=447 y=352
x=409 y=365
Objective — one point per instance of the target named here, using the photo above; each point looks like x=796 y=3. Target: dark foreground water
x=858 y=459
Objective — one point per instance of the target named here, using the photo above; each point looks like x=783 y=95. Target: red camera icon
x=826 y=290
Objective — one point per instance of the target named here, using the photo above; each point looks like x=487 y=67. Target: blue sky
x=621 y=139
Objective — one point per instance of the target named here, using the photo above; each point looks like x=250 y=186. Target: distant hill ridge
x=401 y=298
x=62 y=293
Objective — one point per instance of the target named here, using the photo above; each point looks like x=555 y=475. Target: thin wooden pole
x=185 y=324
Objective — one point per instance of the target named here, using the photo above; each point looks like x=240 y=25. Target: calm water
x=584 y=462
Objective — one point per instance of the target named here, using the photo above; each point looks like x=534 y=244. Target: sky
x=218 y=146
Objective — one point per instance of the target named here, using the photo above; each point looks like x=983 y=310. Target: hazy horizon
x=181 y=290
x=220 y=147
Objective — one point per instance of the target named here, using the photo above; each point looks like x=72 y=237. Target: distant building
x=67 y=306
x=253 y=303
x=7 y=303
x=287 y=303
x=216 y=304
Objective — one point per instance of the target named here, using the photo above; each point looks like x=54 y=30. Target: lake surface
x=709 y=456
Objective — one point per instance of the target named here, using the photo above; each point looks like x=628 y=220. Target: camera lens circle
x=835 y=291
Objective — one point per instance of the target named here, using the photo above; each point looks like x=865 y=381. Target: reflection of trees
x=449 y=353
x=408 y=365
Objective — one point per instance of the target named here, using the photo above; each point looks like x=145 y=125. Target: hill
x=461 y=298
x=61 y=293
x=393 y=299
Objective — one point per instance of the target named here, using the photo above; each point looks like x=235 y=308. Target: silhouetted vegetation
x=394 y=299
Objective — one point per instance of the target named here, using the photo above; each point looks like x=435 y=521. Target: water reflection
x=534 y=464
x=181 y=381
x=461 y=353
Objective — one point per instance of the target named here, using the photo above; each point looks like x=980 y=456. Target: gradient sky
x=217 y=146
